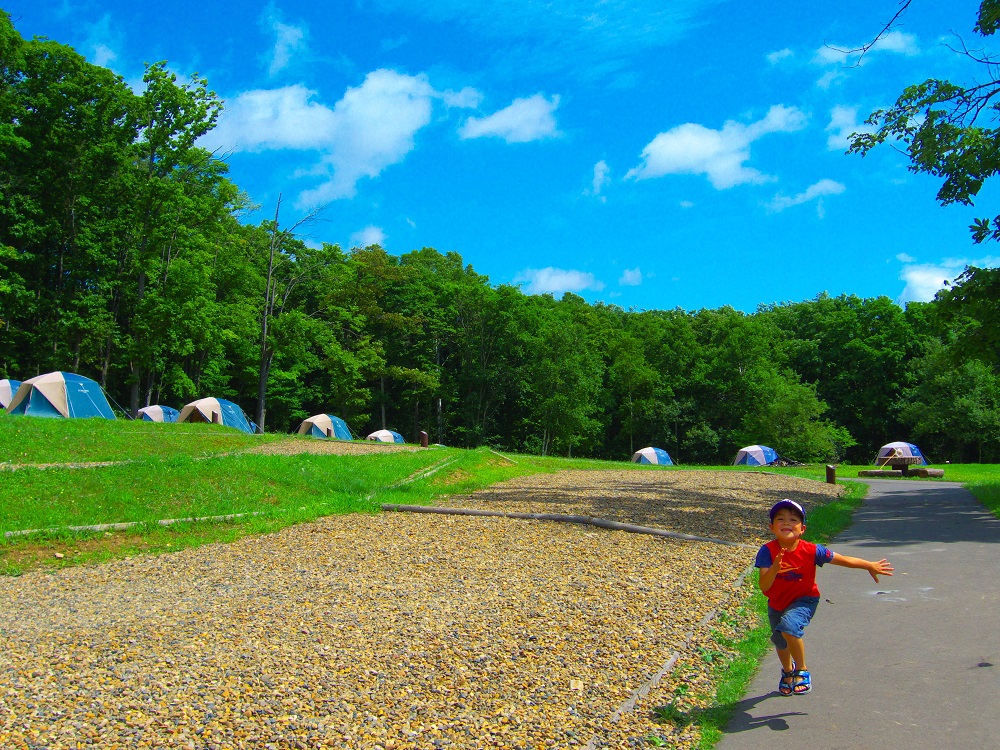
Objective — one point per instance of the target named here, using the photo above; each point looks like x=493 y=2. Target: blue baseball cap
x=790 y=504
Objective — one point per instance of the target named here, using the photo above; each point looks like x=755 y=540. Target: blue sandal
x=801 y=682
x=785 y=684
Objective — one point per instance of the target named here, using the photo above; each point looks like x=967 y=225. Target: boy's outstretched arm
x=875 y=569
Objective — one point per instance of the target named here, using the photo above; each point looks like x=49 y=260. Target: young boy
x=787 y=567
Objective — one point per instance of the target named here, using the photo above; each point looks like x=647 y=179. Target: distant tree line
x=123 y=257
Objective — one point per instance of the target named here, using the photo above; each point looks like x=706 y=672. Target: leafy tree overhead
x=949 y=130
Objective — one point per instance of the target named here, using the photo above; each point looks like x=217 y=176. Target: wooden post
x=216 y=418
x=424 y=439
x=831 y=474
x=329 y=432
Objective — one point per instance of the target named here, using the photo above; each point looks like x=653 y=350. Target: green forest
x=125 y=256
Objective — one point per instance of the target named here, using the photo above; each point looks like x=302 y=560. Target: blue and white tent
x=890 y=451
x=652 y=456
x=386 y=436
x=7 y=390
x=325 y=426
x=217 y=411
x=60 y=394
x=157 y=413
x=756 y=455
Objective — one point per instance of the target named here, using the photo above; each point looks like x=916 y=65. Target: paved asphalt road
x=912 y=662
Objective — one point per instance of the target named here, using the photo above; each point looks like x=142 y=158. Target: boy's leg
x=785 y=657
x=796 y=652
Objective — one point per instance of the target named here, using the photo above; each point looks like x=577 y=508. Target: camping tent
x=900 y=450
x=7 y=390
x=652 y=456
x=158 y=413
x=60 y=394
x=325 y=425
x=755 y=455
x=218 y=411
x=386 y=436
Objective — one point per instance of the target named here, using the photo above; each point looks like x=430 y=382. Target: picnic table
x=902 y=463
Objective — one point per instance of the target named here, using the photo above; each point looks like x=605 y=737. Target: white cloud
x=898 y=42
x=849 y=55
x=556 y=281
x=103 y=55
x=905 y=258
x=372 y=127
x=370 y=235
x=824 y=187
x=467 y=98
x=686 y=204
x=601 y=171
x=266 y=119
x=631 y=277
x=782 y=54
x=924 y=280
x=844 y=122
x=718 y=154
x=826 y=80
x=522 y=121
x=288 y=39
x=102 y=39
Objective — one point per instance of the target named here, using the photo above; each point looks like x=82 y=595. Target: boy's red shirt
x=798 y=571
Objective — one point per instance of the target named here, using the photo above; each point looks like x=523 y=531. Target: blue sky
x=649 y=158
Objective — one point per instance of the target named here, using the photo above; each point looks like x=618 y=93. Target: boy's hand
x=880 y=568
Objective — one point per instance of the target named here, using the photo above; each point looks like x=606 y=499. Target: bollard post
x=831 y=474
x=424 y=439
x=329 y=432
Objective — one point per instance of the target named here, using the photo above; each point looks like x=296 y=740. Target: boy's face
x=787 y=526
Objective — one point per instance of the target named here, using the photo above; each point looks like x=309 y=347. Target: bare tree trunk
x=265 y=353
x=382 y=381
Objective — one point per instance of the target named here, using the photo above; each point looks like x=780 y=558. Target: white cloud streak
x=630 y=277
x=720 y=155
x=924 y=280
x=557 y=281
x=601 y=172
x=782 y=54
x=824 y=187
x=844 y=122
x=370 y=235
x=524 y=120
x=849 y=55
x=288 y=40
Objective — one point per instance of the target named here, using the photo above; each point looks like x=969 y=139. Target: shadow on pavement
x=944 y=513
x=742 y=720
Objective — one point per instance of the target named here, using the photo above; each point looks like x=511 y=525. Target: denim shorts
x=792 y=620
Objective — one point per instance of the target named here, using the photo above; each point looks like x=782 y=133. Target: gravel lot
x=393 y=631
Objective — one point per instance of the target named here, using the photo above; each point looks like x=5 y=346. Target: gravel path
x=390 y=631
